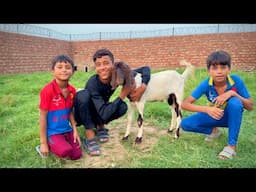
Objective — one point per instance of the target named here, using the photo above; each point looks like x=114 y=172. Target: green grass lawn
x=19 y=129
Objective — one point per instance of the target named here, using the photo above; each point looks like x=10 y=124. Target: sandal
x=92 y=147
x=227 y=152
x=102 y=134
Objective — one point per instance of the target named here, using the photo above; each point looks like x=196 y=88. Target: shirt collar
x=57 y=88
x=230 y=81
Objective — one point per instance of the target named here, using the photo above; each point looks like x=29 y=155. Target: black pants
x=86 y=114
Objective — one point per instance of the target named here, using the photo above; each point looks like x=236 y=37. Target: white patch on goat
x=162 y=84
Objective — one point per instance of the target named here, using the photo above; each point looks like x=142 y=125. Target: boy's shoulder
x=235 y=77
x=47 y=86
x=206 y=81
x=92 y=81
x=93 y=78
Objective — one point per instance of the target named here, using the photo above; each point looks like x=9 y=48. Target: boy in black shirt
x=92 y=106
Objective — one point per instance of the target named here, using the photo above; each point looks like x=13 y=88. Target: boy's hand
x=44 y=149
x=220 y=100
x=215 y=113
x=124 y=92
x=137 y=93
x=76 y=138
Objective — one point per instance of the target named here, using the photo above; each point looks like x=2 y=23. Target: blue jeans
x=203 y=123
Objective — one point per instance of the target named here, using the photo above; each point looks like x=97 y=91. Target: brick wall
x=26 y=54
x=166 y=52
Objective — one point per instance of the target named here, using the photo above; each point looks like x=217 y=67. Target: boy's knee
x=235 y=103
x=76 y=155
x=123 y=109
x=64 y=152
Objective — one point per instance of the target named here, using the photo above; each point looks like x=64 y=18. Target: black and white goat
x=165 y=85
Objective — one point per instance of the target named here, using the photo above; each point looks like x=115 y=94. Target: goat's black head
x=121 y=75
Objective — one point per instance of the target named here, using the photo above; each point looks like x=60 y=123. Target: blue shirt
x=206 y=87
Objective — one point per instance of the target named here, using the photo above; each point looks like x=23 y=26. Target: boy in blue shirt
x=227 y=97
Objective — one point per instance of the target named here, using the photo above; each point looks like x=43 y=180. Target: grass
x=19 y=129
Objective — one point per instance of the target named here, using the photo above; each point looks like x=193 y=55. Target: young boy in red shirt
x=58 y=131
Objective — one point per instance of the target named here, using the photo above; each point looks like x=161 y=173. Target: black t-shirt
x=100 y=93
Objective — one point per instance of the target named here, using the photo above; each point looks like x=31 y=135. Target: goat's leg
x=179 y=117
x=178 y=121
x=172 y=101
x=177 y=129
x=176 y=114
x=173 y=120
x=140 y=107
x=129 y=121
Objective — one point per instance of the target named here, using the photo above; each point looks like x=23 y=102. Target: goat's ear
x=113 y=79
x=129 y=78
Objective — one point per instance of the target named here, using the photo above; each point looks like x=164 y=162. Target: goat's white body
x=160 y=86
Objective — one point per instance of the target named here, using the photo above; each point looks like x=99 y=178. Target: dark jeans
x=86 y=113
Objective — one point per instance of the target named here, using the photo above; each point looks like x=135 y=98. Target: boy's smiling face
x=62 y=71
x=104 y=67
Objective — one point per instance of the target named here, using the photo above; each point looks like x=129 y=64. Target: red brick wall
x=26 y=54
x=166 y=52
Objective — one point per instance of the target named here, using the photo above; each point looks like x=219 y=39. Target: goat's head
x=121 y=75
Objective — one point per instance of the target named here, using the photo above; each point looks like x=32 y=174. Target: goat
x=165 y=85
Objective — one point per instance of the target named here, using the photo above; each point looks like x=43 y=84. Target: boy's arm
x=73 y=125
x=214 y=112
x=145 y=74
x=105 y=109
x=188 y=105
x=138 y=92
x=240 y=91
x=43 y=132
x=247 y=102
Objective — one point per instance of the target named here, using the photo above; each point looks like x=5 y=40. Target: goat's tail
x=189 y=71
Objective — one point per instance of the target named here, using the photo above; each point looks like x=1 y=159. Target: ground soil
x=114 y=152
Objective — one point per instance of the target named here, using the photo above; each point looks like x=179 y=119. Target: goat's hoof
x=125 y=138
x=169 y=130
x=138 y=140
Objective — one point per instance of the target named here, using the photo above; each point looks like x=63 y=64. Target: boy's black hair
x=219 y=58
x=102 y=52
x=65 y=59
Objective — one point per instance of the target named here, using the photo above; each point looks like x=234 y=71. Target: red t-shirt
x=58 y=107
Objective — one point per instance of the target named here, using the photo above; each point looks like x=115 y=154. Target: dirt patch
x=114 y=151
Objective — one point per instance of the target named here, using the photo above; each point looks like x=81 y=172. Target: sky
x=92 y=28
